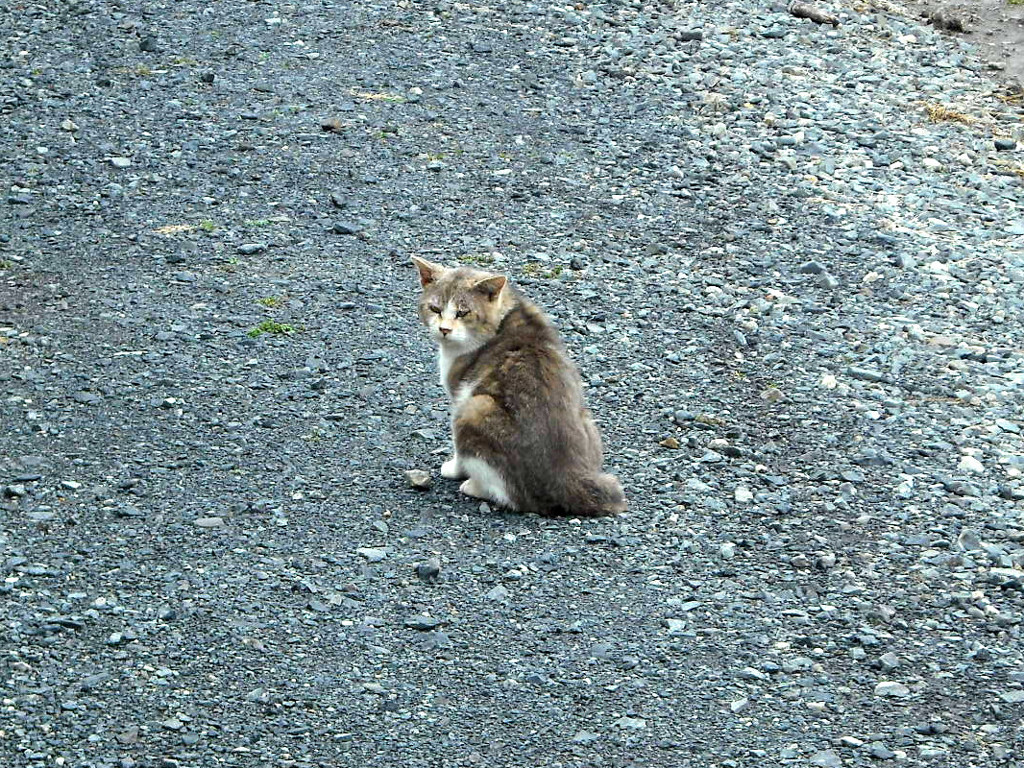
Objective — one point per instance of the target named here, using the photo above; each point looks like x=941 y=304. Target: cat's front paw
x=472 y=488
x=452 y=470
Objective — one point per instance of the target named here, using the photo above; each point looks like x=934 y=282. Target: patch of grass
x=257 y=222
x=183 y=61
x=713 y=421
x=207 y=225
x=480 y=259
x=140 y=70
x=939 y=113
x=271 y=301
x=272 y=326
x=1015 y=2
x=536 y=270
x=231 y=266
x=6 y=264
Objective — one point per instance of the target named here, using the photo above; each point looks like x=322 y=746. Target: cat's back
x=526 y=362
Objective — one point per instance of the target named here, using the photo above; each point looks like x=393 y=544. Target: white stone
x=971 y=464
x=892 y=689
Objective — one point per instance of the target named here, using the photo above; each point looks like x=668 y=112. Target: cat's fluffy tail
x=598 y=496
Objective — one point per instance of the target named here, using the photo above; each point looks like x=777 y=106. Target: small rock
x=422 y=622
x=93 y=681
x=971 y=464
x=892 y=689
x=749 y=673
x=347 y=228
x=676 y=627
x=434 y=640
x=332 y=125
x=1012 y=697
x=429 y=570
x=826 y=561
x=120 y=162
x=247 y=249
x=585 y=737
x=865 y=374
x=825 y=280
x=743 y=495
x=879 y=751
x=497 y=594
x=825 y=759
x=208 y=522
x=889 y=661
x=418 y=479
x=739 y=705
x=631 y=723
x=944 y=18
x=1004 y=144
x=372 y=554
x=968 y=541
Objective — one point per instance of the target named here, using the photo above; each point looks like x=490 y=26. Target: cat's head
x=463 y=306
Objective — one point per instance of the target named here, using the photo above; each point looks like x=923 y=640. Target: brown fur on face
x=523 y=436
x=470 y=302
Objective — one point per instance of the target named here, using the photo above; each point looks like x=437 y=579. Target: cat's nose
x=444 y=331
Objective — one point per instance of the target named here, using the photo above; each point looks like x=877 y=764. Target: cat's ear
x=490 y=286
x=429 y=272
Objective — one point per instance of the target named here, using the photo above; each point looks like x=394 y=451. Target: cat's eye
x=435 y=309
x=462 y=313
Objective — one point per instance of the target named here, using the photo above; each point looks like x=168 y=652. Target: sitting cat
x=522 y=435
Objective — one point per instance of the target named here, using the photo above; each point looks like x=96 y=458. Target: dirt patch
x=995 y=26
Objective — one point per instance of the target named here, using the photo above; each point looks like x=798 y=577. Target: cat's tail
x=597 y=496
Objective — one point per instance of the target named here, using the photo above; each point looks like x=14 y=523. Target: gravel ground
x=995 y=26
x=789 y=260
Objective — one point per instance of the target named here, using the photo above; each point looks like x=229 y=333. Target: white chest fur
x=445 y=357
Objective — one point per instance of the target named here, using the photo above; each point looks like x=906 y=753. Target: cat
x=522 y=436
